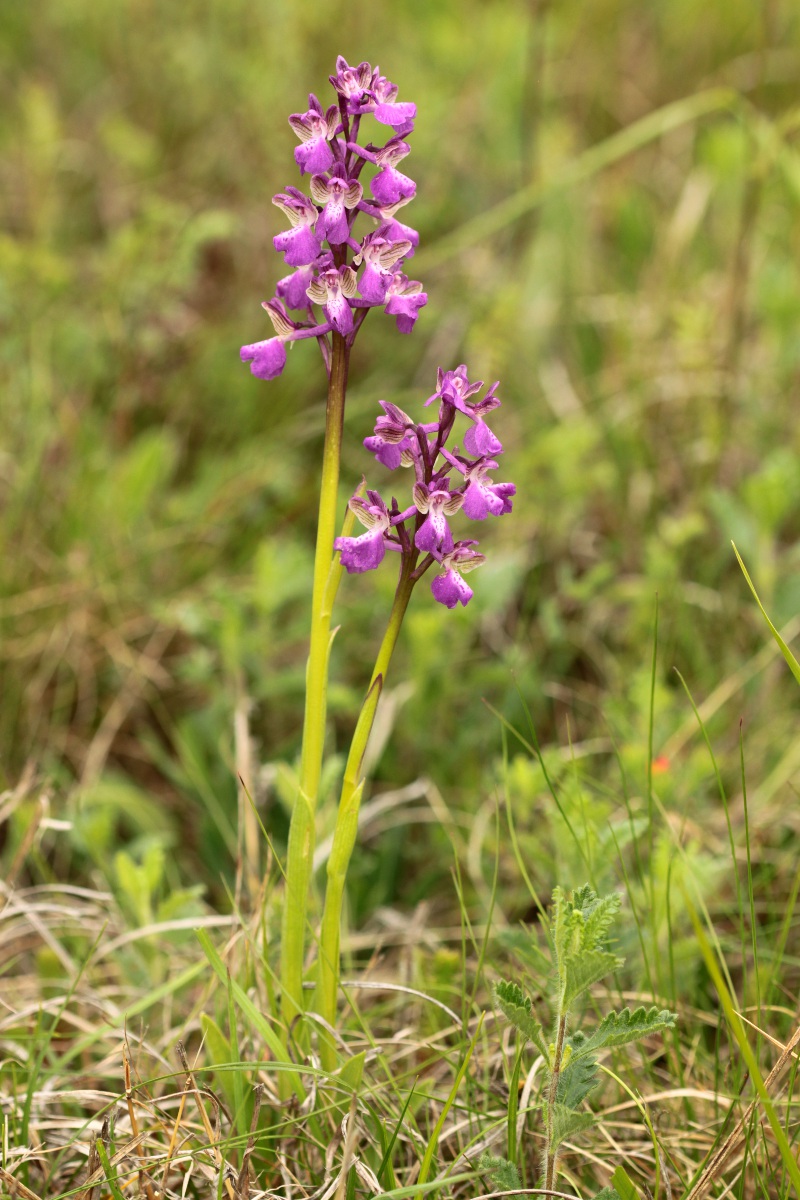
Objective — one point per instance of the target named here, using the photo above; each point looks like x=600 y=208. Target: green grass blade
x=794 y=665
x=111 y=1180
x=256 y=1019
x=427 y=1160
x=737 y=1029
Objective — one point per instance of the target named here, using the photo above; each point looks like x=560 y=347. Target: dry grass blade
x=16 y=1189
x=737 y=1137
x=213 y=1140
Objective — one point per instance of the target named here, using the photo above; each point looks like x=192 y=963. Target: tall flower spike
x=315 y=129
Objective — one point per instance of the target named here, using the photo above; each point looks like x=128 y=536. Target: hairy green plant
x=582 y=953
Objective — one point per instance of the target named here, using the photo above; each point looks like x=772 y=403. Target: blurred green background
x=637 y=292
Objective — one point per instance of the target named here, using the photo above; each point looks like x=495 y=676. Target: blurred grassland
x=157 y=504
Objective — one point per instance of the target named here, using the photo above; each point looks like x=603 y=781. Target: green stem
x=344 y=835
x=550 y=1151
x=300 y=851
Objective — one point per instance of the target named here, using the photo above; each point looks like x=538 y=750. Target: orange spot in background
x=660 y=764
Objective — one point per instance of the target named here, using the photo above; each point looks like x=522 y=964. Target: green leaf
x=516 y=1007
x=105 y=1162
x=352 y=1071
x=582 y=969
x=566 y=1122
x=576 y=1081
x=608 y=1193
x=626 y=1189
x=582 y=922
x=503 y=1173
x=617 y=1029
x=791 y=661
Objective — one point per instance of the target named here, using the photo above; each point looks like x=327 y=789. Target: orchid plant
x=337 y=278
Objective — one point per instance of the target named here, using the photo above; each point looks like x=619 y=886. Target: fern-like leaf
x=516 y=1007
x=503 y=1173
x=617 y=1029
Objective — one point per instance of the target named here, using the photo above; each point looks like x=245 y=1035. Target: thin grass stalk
x=300 y=851
x=346 y=829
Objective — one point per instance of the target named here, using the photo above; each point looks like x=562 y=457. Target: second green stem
x=344 y=836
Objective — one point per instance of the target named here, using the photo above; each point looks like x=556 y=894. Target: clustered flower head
x=333 y=271
x=446 y=483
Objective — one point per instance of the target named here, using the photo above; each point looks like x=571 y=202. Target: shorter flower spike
x=450 y=588
x=421 y=533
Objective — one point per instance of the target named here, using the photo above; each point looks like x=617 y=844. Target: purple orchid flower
x=392 y=443
x=482 y=498
x=268 y=358
x=450 y=588
x=390 y=186
x=338 y=195
x=332 y=289
x=439 y=503
x=380 y=257
x=315 y=129
x=454 y=387
x=479 y=439
x=293 y=289
x=395 y=231
x=387 y=110
x=364 y=553
x=300 y=245
x=404 y=298
x=352 y=83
